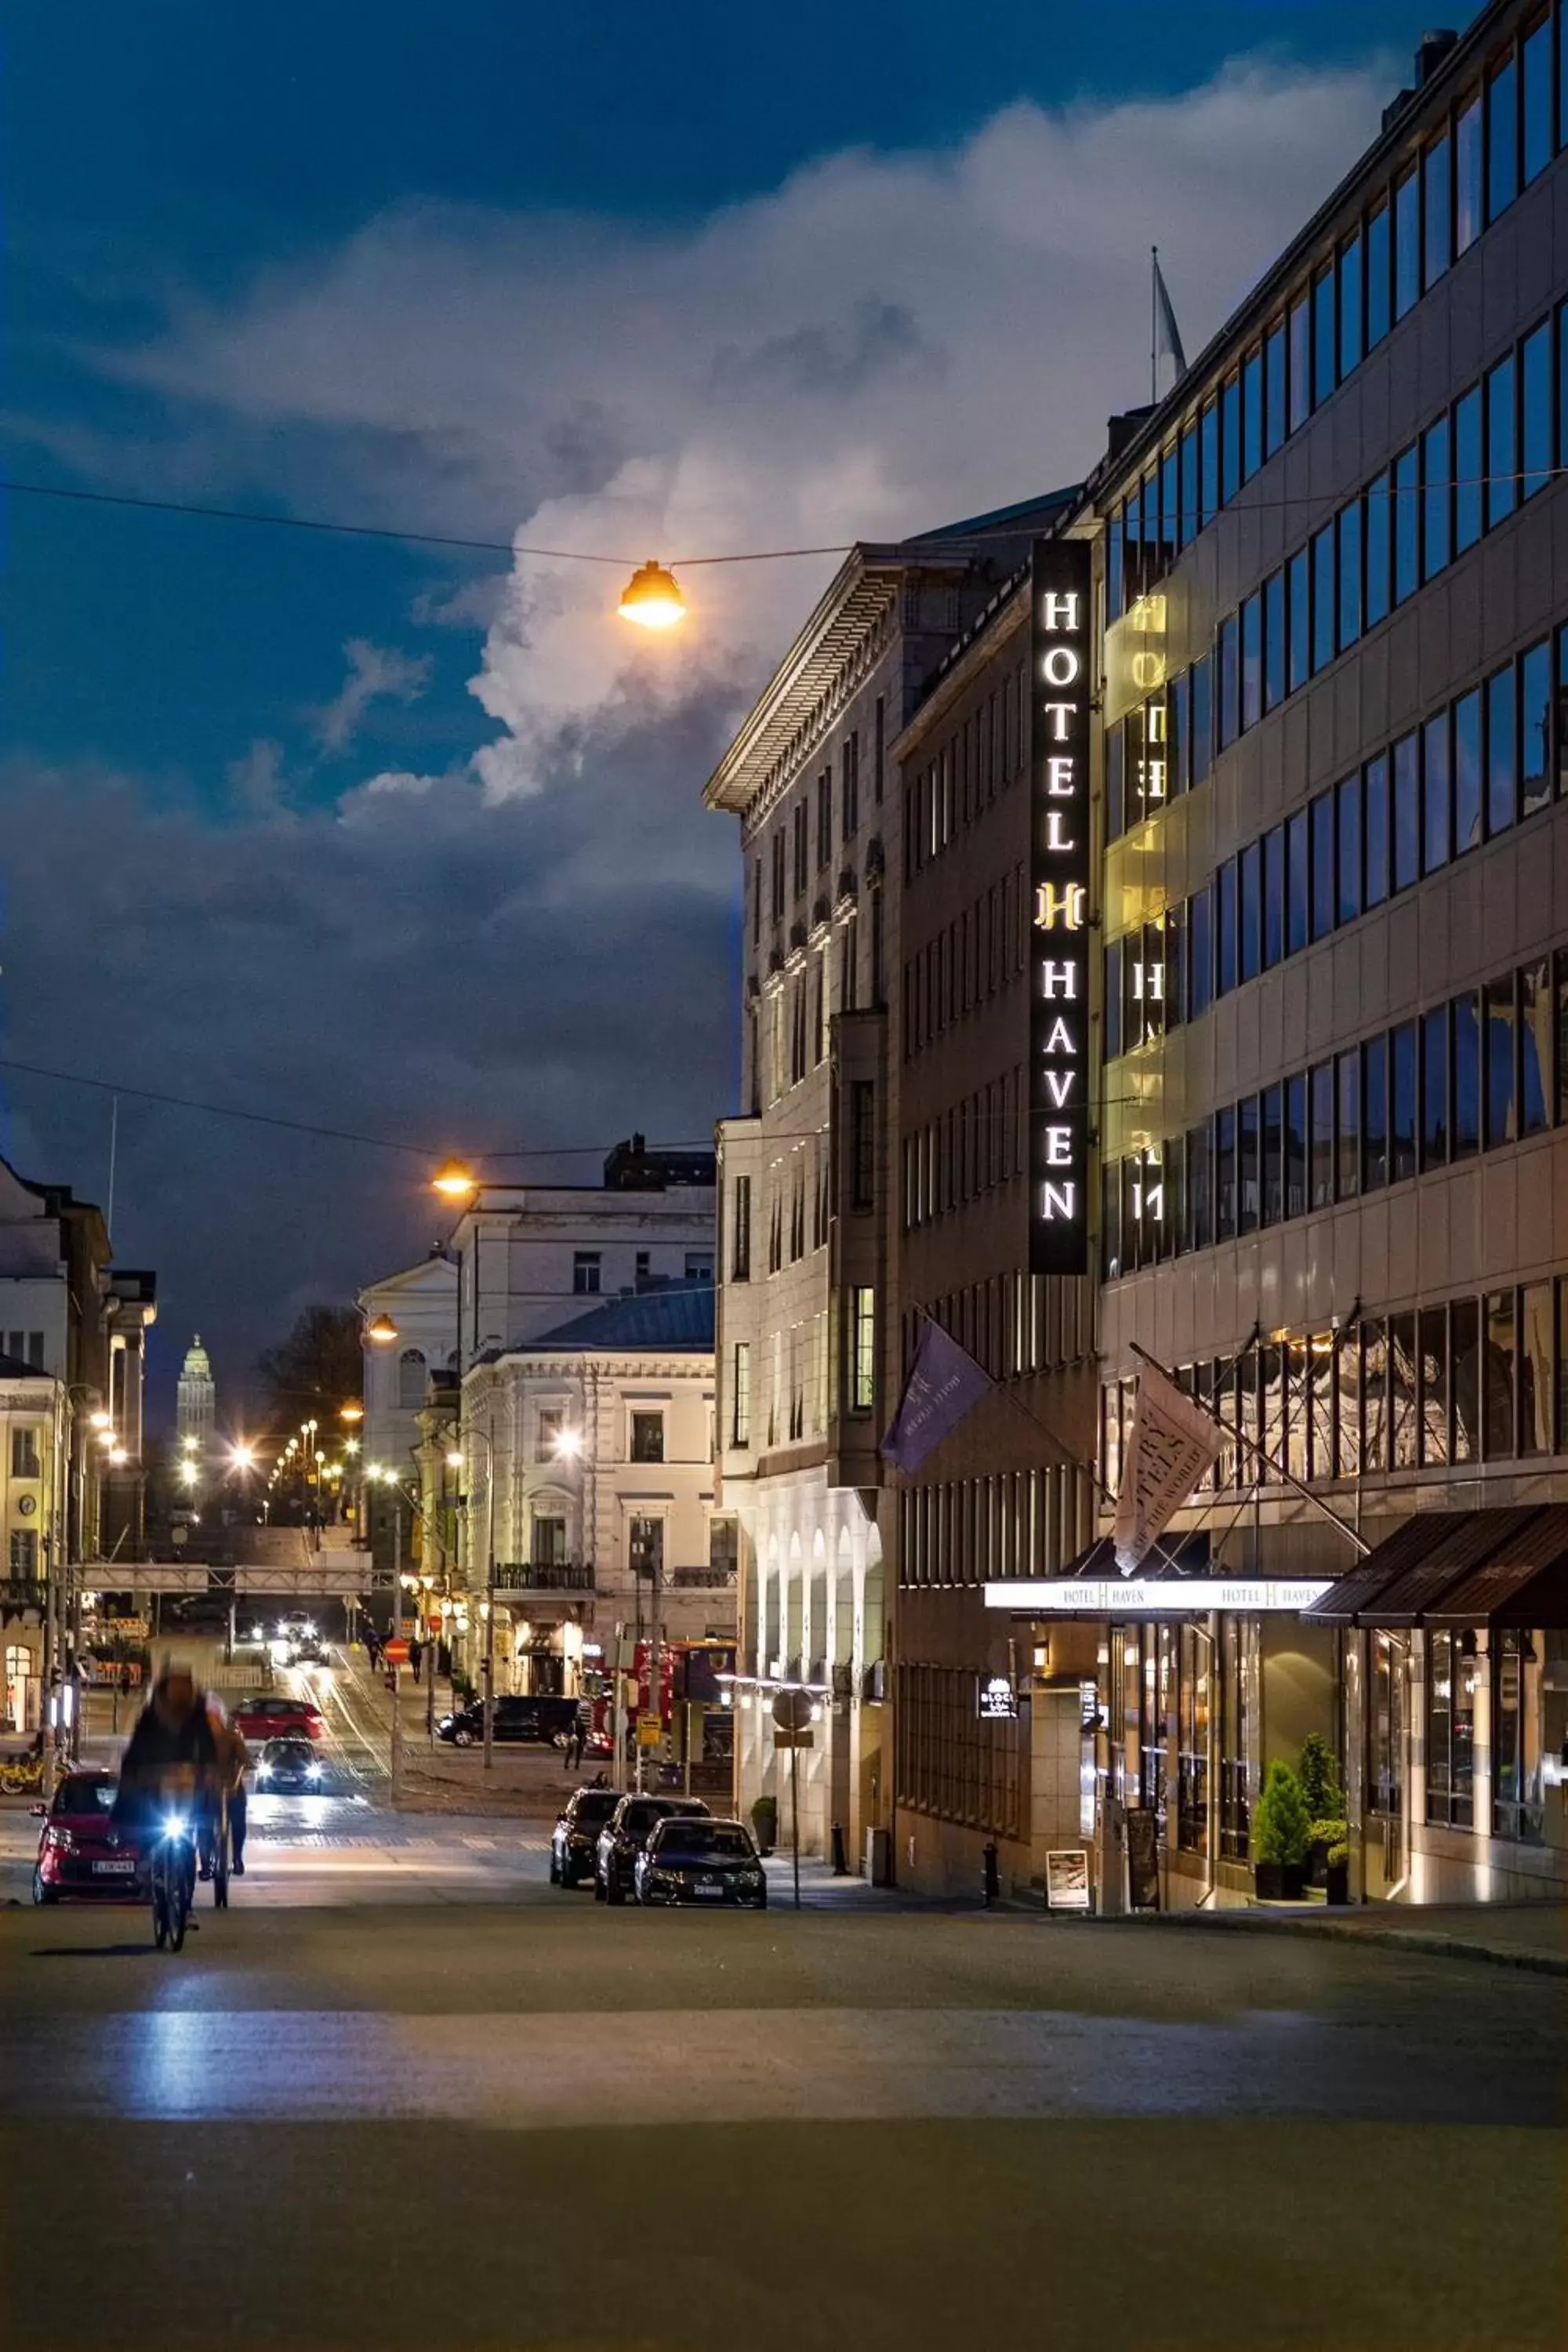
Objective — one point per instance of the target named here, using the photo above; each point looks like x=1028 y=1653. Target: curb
x=1428 y=1942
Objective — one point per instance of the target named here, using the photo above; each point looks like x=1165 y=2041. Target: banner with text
x=1173 y=1442
x=1060 y=654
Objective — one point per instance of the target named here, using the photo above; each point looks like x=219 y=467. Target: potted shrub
x=1325 y=1802
x=1337 y=1878
x=1281 y=1836
x=766 y=1823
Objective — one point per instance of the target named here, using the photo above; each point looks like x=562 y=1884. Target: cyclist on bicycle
x=224 y=1809
x=172 y=1748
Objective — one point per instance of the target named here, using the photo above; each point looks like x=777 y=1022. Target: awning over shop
x=1458 y=1568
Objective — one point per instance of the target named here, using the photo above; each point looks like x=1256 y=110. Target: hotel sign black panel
x=1060 y=651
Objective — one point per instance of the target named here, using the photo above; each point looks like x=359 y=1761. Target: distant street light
x=350 y=1412
x=381 y=1331
x=454 y=1180
x=652 y=598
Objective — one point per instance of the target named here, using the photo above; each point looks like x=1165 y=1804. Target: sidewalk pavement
x=1531 y=1936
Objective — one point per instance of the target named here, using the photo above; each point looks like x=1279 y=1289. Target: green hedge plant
x=1321 y=1781
x=1281 y=1824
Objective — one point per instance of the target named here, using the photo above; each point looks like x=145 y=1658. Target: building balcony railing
x=545 y=1576
x=21 y=1592
x=703 y=1579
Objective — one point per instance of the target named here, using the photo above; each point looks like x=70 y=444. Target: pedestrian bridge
x=338 y=1570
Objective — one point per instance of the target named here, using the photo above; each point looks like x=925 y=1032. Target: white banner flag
x=1173 y=1442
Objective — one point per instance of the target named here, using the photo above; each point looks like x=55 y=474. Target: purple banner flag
x=944 y=1383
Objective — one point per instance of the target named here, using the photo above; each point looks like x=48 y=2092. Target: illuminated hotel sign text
x=1059 y=879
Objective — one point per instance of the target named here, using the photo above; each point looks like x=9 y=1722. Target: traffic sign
x=433 y=1620
x=396 y=1653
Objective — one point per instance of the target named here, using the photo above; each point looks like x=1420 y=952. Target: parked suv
x=546 y=1721
x=625 y=1835
x=577 y=1833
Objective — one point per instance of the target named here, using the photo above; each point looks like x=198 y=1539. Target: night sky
x=407 y=842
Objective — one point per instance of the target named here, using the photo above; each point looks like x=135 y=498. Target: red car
x=273 y=1716
x=81 y=1853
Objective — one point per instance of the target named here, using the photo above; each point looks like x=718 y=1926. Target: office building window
x=1298 y=881
x=1379 y=549
x=1535 y=729
x=585 y=1272
x=699 y=1265
x=1498 y=1019
x=862 y=1143
x=1470 y=466
x=1296 y=1145
x=1466 y=1056
x=1350 y=574
x=741 y=1395
x=1407 y=523
x=1351 y=291
x=862 y=1350
x=1374 y=819
x=1465 y=1377
x=1439 y=196
x=1498 y=1376
x=547 y=1432
x=1347 y=1157
x=24 y=1552
x=1250 y=888
x=1432 y=1378
x=741 y=1230
x=1437 y=499
x=1200 y=959
x=1502 y=140
x=1539 y=100
x=1225 y=1175
x=1451 y=1678
x=1229 y=680
x=1379 y=276
x=645 y=1546
x=1272 y=1204
x=1406 y=810
x=1518 y=1801
x=648 y=1437
x=1434 y=790
x=1251 y=661
x=25 y=1462
x=1535 y=1370
x=1324 y=615
x=1537 y=416
x=1274 y=896
x=1246 y=1168
x=1320 y=1087
x=1503 y=750
x=1434 y=1088
x=1275 y=389
x=1324 y=875
x=1402 y=1091
x=849 y=783
x=1226 y=955
x=1349 y=849
x=1535 y=1025
x=1469 y=191
x=1202 y=718
x=1503 y=442
x=1467 y=773
x=1374 y=1114
x=549 y=1544
x=1407 y=242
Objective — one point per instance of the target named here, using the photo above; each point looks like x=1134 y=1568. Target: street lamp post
x=486 y=1437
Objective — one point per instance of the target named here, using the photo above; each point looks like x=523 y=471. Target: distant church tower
x=197 y=1399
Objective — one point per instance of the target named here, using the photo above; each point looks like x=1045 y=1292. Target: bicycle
x=215 y=1851
x=171 y=1871
x=21 y=1776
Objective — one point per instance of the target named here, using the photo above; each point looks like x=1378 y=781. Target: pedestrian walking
x=416 y=1652
x=372 y=1647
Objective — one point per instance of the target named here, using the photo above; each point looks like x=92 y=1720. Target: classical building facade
x=420 y=1302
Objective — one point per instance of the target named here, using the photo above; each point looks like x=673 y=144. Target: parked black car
x=545 y=1721
x=624 y=1835
x=577 y=1833
x=683 y=1860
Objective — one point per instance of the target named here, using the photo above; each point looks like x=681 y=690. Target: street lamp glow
x=382 y=1333
x=454 y=1180
x=350 y=1412
x=568 y=1444
x=350 y=1445
x=652 y=598
x=119 y=1456
x=244 y=1459
x=106 y=1437
x=101 y=1420
x=189 y=1471
x=454 y=1461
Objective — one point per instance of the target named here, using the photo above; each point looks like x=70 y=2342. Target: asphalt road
x=532 y=2122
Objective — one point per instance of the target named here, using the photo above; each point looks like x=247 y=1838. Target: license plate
x=710 y=1890
x=108 y=1868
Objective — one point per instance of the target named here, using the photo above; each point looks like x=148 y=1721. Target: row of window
x=790 y=845
x=1498 y=137
x=25 y=1348
x=959 y=782
x=1012 y=1324
x=801 y=1005
x=946 y=1760
x=1499 y=445
x=1469 y=1380
x=797 y=1380
x=1482 y=764
x=1155 y=1673
x=979 y=951
x=972 y=1147
x=25 y=1460
x=1473 y=1074
x=1008 y=1523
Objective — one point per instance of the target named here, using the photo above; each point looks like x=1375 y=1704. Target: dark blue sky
x=196 y=201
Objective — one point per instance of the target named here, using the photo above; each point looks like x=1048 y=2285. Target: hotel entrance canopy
x=1461 y=1569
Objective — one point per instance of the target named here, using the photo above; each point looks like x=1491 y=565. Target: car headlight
x=312 y=1771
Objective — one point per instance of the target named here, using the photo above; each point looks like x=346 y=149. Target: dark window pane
x=1373 y=1397
x=1401 y=1390
x=1202 y=718
x=1497 y=1014
x=1434 y=1088
x=1224 y=1176
x=1497 y=1371
x=1300 y=363
x=1200 y=1184
x=1467 y=773
x=1322 y=813
x=1190 y=508
x=1467 y=1013
x=1378 y=278
x=1376 y=830
x=1468 y=190
x=1273 y=1207
x=1274 y=896
x=1246 y=1171
x=1503 y=750
x=1201 y=952
x=1208 y=463
x=1440 y=197
x=1320 y=1177
x=1275 y=389
x=1349 y=849
x=1252 y=413
x=1502 y=140
x=1561 y=712
x=1431 y=1371
x=1113 y=1000
x=1402 y=1102
x=1176 y=964
x=1374 y=1114
x=1407 y=243
x=1324 y=600
x=1296 y=1145
x=1347 y=1070
x=1465 y=1377
x=1251 y=908
x=1503 y=442
x=1537 y=414
x=1535 y=1024
x=1115 y=783
x=1379 y=549
x=1252 y=661
x=1351 y=343
x=1230 y=440
x=1170 y=505
x=1350 y=574
x=1273 y=640
x=1180 y=727
x=1115 y=573
x=1536 y=728
x=1407 y=523
x=1535 y=1378
x=1437 y=499
x=1324 y=305
x=1406 y=811
x=1300 y=619
x=1435 y=826
x=1539 y=100
x=1469 y=465
x=1229 y=679
x=1111 y=1219
x=1299 y=883
x=1225 y=977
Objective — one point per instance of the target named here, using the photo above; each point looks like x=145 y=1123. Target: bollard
x=993 y=1876
x=841 y=1858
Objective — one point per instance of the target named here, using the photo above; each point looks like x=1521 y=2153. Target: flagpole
x=1261 y=1454
x=1153 y=326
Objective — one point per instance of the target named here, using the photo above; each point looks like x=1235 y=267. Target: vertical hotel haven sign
x=1059 y=930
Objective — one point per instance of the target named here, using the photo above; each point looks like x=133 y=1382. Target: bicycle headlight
x=173 y=1825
